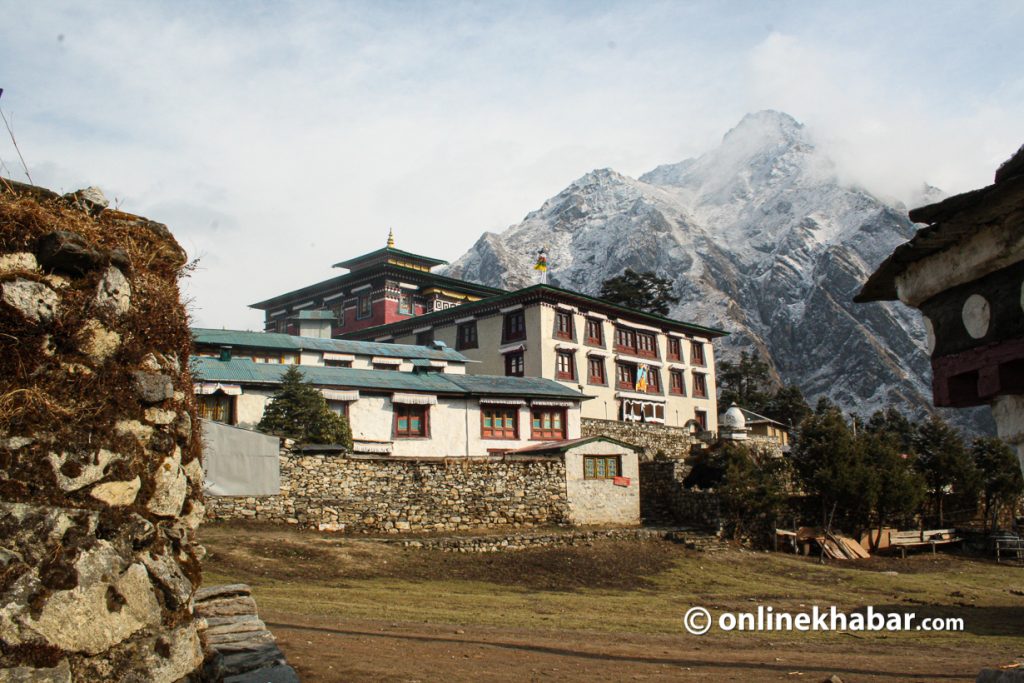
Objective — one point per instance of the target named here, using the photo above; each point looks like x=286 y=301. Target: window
x=405 y=303
x=217 y=407
x=565 y=365
x=702 y=419
x=625 y=376
x=337 y=363
x=700 y=385
x=338 y=310
x=595 y=332
x=653 y=380
x=425 y=338
x=365 y=306
x=625 y=340
x=499 y=422
x=514 y=328
x=338 y=408
x=675 y=349
x=646 y=345
x=514 y=364
x=595 y=371
x=697 y=353
x=410 y=421
x=563 y=325
x=601 y=466
x=676 y=383
x=548 y=424
x=465 y=338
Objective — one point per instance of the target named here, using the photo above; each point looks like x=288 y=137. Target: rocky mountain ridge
x=761 y=239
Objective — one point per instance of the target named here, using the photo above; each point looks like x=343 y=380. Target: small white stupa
x=733 y=425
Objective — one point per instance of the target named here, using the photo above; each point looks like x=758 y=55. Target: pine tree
x=298 y=411
x=953 y=480
x=788 y=406
x=747 y=383
x=894 y=489
x=1002 y=483
x=641 y=291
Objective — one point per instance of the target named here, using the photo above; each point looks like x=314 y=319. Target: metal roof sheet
x=244 y=370
x=274 y=340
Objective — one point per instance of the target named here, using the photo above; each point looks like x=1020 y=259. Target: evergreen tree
x=953 y=481
x=747 y=383
x=642 y=291
x=1002 y=483
x=831 y=467
x=893 y=488
x=753 y=489
x=788 y=406
x=892 y=421
x=298 y=411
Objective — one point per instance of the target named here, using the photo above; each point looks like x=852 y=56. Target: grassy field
x=611 y=597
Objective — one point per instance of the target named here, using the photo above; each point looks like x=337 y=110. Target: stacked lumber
x=239 y=646
x=833 y=545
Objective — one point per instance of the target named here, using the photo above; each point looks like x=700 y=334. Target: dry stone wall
x=673 y=442
x=341 y=492
x=100 y=477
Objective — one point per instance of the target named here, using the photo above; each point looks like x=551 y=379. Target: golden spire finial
x=391 y=238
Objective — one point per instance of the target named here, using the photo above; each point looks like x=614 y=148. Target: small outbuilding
x=602 y=478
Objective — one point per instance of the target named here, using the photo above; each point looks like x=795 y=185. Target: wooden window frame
x=672 y=388
x=619 y=384
x=701 y=418
x=570 y=358
x=653 y=339
x=599 y=467
x=565 y=327
x=404 y=296
x=697 y=356
x=398 y=408
x=462 y=340
x=510 y=358
x=674 y=349
x=514 y=410
x=364 y=297
x=700 y=385
x=654 y=380
x=560 y=435
x=594 y=323
x=508 y=334
x=630 y=339
x=600 y=380
x=224 y=401
x=337 y=363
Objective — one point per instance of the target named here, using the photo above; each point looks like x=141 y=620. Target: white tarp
x=414 y=399
x=239 y=462
x=339 y=395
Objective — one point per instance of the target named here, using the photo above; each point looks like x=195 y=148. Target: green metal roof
x=539 y=291
x=563 y=446
x=274 y=340
x=245 y=371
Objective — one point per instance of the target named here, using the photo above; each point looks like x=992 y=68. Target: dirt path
x=329 y=649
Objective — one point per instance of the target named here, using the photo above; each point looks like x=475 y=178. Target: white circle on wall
x=976 y=315
x=929 y=332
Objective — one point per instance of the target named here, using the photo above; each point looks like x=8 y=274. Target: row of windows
x=627 y=340
x=413 y=421
x=629 y=376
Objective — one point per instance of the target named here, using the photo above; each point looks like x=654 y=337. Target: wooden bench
x=923 y=537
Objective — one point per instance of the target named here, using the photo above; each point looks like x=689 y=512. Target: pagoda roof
x=384 y=254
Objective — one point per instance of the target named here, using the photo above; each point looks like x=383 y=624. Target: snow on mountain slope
x=761 y=239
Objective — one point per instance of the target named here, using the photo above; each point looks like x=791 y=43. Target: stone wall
x=664 y=499
x=100 y=477
x=367 y=494
x=674 y=442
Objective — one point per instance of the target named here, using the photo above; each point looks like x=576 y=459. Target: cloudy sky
x=278 y=138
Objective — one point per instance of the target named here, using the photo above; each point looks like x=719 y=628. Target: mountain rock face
x=762 y=240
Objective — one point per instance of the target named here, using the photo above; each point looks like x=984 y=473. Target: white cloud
x=277 y=140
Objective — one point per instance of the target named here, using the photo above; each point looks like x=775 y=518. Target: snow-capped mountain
x=761 y=239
